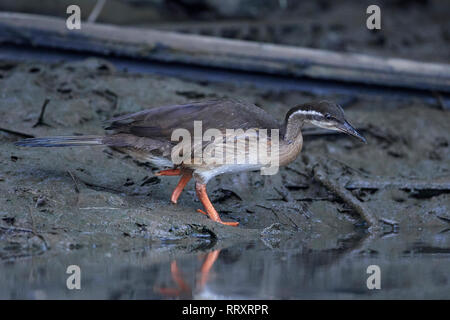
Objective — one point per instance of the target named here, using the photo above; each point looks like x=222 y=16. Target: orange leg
x=180 y=186
x=211 y=257
x=183 y=289
x=178 y=277
x=169 y=172
x=210 y=211
x=182 y=286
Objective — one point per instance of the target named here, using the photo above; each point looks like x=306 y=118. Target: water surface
x=413 y=266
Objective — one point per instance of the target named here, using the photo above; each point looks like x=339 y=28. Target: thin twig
x=40 y=121
x=297 y=171
x=94 y=186
x=109 y=95
x=32 y=220
x=99 y=208
x=36 y=234
x=440 y=100
x=32 y=231
x=96 y=11
x=285 y=194
x=17 y=133
x=315 y=199
x=276 y=215
x=390 y=222
x=77 y=189
x=289 y=218
x=270 y=209
x=15 y=229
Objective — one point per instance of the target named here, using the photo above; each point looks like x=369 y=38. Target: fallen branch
x=321 y=176
x=400 y=184
x=148 y=44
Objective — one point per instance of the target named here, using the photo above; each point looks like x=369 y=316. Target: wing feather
x=221 y=114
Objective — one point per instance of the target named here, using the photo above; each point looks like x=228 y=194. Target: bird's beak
x=348 y=129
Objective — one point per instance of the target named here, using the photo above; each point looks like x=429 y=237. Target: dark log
x=206 y=51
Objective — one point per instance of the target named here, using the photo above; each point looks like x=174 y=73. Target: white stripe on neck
x=311 y=112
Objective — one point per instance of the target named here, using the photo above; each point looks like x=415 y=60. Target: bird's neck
x=293 y=129
x=293 y=140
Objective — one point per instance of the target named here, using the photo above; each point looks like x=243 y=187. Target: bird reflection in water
x=183 y=290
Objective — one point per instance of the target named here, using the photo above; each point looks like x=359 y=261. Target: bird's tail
x=61 y=141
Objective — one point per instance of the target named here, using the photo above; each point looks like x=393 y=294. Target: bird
x=148 y=136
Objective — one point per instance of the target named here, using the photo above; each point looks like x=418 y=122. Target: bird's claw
x=231 y=223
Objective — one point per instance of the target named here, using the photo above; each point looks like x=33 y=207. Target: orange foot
x=210 y=210
x=233 y=224
x=182 y=286
x=169 y=172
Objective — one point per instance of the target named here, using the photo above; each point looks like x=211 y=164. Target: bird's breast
x=290 y=151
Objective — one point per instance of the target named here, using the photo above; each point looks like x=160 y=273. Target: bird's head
x=323 y=114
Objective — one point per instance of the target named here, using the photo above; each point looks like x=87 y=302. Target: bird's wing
x=238 y=147
x=159 y=123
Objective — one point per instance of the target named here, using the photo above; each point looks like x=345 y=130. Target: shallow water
x=412 y=266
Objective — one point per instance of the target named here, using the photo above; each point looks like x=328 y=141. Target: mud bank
x=53 y=200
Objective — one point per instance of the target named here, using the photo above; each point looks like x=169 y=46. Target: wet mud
x=95 y=204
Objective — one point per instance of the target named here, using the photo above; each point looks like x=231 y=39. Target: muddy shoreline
x=64 y=204
x=115 y=196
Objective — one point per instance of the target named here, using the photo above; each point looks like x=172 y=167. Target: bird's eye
x=328 y=116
